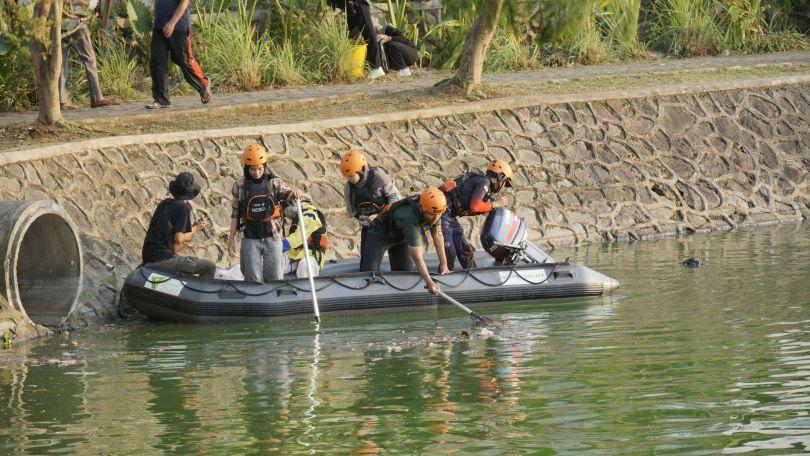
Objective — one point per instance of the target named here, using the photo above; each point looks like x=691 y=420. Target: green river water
x=684 y=361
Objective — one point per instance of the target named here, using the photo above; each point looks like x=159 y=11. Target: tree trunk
x=46 y=54
x=471 y=64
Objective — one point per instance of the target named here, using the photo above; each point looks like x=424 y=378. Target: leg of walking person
x=159 y=68
x=64 y=94
x=361 y=19
x=183 y=57
x=84 y=47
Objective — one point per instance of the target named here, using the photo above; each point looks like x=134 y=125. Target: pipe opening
x=48 y=270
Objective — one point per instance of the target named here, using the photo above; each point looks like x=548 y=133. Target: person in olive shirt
x=401 y=231
x=170 y=231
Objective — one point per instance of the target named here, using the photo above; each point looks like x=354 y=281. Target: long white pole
x=302 y=229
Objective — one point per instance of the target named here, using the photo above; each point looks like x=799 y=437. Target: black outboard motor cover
x=503 y=235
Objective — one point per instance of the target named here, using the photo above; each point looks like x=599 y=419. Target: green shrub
x=119 y=73
x=685 y=28
x=230 y=52
x=287 y=66
x=508 y=52
x=17 y=88
x=327 y=48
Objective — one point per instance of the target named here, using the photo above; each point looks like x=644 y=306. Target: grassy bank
x=304 y=42
x=352 y=105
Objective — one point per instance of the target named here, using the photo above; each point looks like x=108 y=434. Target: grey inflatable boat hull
x=166 y=296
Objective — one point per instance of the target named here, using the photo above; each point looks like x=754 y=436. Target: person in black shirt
x=358 y=19
x=170 y=231
x=171 y=36
x=400 y=51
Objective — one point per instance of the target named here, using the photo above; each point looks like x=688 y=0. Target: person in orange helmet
x=467 y=195
x=369 y=191
x=401 y=231
x=256 y=210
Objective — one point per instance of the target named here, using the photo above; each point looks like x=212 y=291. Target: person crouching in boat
x=256 y=210
x=401 y=231
x=467 y=195
x=369 y=191
x=170 y=231
x=317 y=241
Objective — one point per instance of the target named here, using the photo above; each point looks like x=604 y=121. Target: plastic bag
x=232 y=273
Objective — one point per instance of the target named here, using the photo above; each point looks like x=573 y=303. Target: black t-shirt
x=255 y=229
x=170 y=217
x=164 y=10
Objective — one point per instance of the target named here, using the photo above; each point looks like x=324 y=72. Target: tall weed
x=509 y=52
x=328 y=49
x=17 y=89
x=119 y=73
x=685 y=28
x=231 y=52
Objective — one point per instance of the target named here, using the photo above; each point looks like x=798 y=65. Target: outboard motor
x=505 y=238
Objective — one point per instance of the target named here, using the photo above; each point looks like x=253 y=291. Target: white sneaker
x=377 y=73
x=404 y=73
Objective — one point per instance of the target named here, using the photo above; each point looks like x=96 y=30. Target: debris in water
x=484 y=333
x=464 y=334
x=692 y=262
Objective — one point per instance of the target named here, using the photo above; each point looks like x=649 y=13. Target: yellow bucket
x=358 y=61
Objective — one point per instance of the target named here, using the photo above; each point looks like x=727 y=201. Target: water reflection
x=703 y=361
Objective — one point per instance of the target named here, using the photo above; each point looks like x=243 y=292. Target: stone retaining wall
x=597 y=167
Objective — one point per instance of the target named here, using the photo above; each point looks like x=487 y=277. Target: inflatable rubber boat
x=512 y=269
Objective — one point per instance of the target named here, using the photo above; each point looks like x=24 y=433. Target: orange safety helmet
x=433 y=201
x=255 y=154
x=353 y=162
x=501 y=167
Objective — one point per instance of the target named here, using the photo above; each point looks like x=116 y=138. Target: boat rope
x=375 y=277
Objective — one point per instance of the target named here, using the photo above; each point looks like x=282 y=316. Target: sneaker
x=156 y=105
x=404 y=73
x=206 y=95
x=377 y=73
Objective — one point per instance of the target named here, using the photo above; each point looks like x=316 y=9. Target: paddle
x=302 y=228
x=478 y=320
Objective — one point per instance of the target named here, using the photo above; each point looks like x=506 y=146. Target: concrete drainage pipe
x=42 y=264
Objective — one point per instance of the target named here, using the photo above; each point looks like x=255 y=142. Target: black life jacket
x=386 y=219
x=257 y=202
x=318 y=241
x=364 y=199
x=459 y=192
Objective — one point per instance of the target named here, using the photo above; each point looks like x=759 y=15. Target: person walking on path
x=358 y=19
x=75 y=35
x=171 y=230
x=171 y=36
x=256 y=209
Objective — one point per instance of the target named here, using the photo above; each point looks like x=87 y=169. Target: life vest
x=459 y=191
x=318 y=241
x=364 y=199
x=257 y=202
x=386 y=219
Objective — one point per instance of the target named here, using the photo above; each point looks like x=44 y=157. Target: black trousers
x=400 y=55
x=373 y=250
x=456 y=245
x=178 y=47
x=358 y=18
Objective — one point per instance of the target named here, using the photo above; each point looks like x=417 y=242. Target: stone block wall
x=598 y=169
